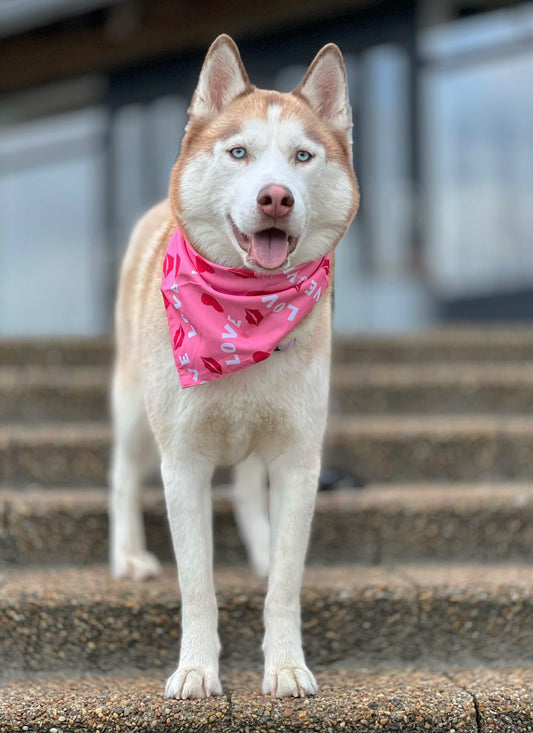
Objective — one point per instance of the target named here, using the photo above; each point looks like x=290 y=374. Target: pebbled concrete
x=440 y=616
x=437 y=448
x=70 y=454
x=384 y=701
x=374 y=449
x=33 y=394
x=53 y=394
x=503 y=697
x=495 y=343
x=54 y=352
x=447 y=388
x=378 y=524
x=466 y=343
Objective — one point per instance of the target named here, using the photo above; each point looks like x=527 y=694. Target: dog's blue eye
x=302 y=156
x=238 y=153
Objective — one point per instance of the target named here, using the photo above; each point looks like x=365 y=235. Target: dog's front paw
x=137 y=566
x=193 y=683
x=289 y=681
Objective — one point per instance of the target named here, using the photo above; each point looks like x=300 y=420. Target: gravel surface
x=347 y=701
x=82 y=619
x=375 y=449
x=503 y=697
x=378 y=524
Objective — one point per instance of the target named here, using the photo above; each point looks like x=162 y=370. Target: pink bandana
x=222 y=319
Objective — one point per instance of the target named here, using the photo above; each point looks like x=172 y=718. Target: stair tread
x=391 y=374
x=94 y=584
x=32 y=394
x=55 y=620
x=378 y=524
x=417 y=700
x=444 y=342
x=387 y=700
x=354 y=374
x=385 y=497
x=370 y=425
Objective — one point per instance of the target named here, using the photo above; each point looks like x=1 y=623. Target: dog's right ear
x=223 y=77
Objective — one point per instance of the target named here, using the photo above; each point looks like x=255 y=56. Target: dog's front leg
x=187 y=482
x=293 y=484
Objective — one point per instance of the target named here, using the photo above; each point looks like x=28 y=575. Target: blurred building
x=93 y=104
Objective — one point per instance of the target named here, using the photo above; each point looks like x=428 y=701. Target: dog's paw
x=289 y=681
x=193 y=683
x=138 y=566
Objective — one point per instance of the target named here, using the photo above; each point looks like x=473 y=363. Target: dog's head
x=265 y=180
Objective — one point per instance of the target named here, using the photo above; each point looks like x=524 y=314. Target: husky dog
x=263 y=188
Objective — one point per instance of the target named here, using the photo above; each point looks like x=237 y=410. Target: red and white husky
x=264 y=181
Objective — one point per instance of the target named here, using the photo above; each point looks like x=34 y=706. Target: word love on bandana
x=222 y=320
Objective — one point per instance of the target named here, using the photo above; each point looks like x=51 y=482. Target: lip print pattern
x=253 y=316
x=242 y=273
x=171 y=263
x=208 y=299
x=178 y=337
x=203 y=266
x=212 y=365
x=325 y=265
x=258 y=356
x=168 y=264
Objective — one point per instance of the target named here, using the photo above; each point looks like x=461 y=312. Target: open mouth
x=268 y=248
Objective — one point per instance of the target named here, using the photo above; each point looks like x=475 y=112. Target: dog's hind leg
x=134 y=456
x=249 y=504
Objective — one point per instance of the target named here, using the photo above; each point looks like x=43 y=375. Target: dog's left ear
x=324 y=87
x=222 y=78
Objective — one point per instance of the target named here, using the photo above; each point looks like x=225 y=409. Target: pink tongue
x=269 y=248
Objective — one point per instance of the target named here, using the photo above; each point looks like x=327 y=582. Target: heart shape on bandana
x=258 y=356
x=203 y=266
x=208 y=299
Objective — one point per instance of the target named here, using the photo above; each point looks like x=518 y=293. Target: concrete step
x=410 y=700
x=415 y=701
x=54 y=352
x=65 y=393
x=37 y=393
x=81 y=620
x=432 y=448
x=447 y=388
x=58 y=454
x=373 y=449
x=490 y=343
x=379 y=525
x=467 y=343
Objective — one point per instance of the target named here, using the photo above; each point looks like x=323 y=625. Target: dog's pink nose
x=275 y=200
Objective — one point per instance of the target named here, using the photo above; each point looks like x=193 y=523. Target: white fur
x=320 y=189
x=267 y=418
